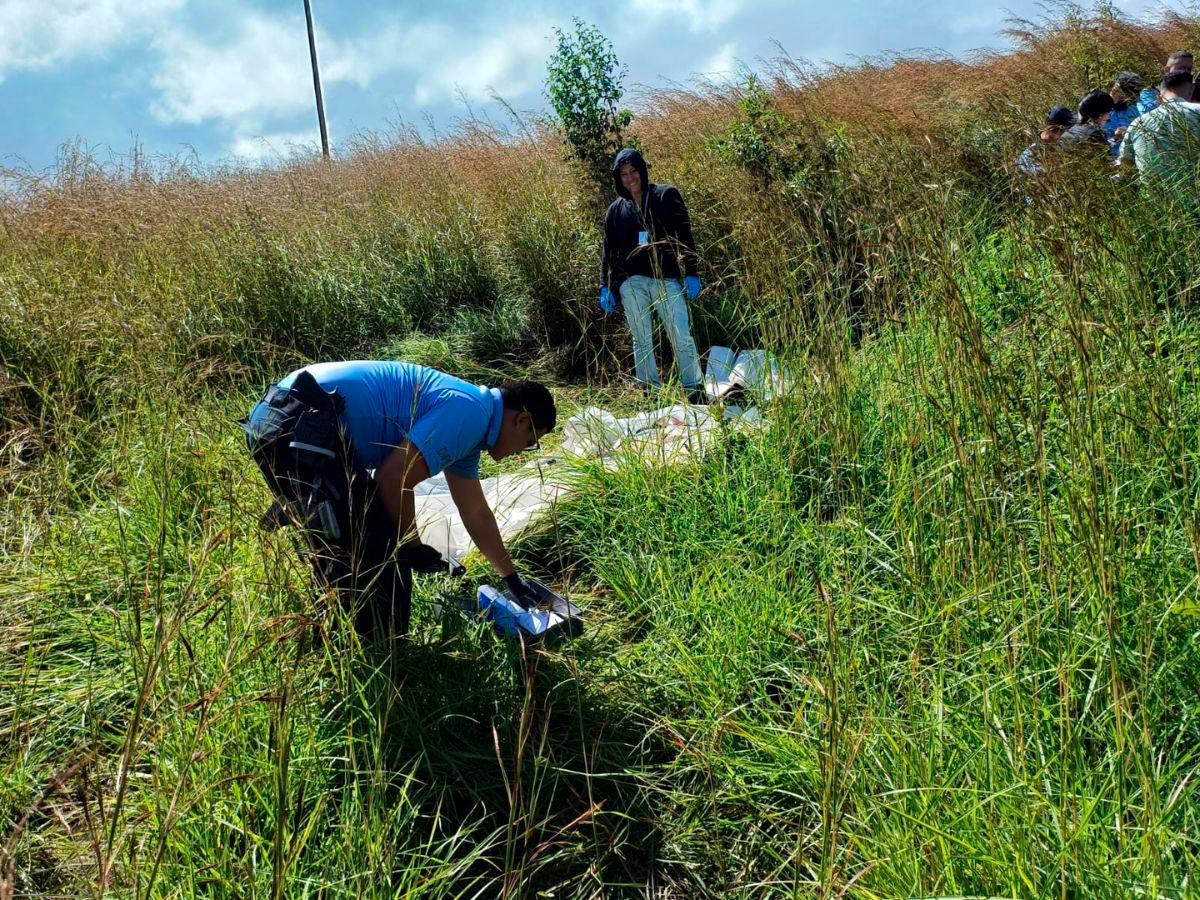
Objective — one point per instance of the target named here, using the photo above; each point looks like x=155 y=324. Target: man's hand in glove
x=424 y=559
x=520 y=591
x=608 y=302
x=691 y=284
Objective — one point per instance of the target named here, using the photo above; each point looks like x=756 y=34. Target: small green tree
x=778 y=149
x=583 y=87
x=761 y=140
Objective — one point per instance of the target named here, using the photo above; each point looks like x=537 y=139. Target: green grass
x=908 y=641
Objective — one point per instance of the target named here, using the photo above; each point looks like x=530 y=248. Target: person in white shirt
x=1164 y=144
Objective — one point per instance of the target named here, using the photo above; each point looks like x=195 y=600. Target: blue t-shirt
x=449 y=420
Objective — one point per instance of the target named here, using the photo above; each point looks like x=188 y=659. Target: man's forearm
x=480 y=522
x=406 y=526
x=394 y=480
x=481 y=526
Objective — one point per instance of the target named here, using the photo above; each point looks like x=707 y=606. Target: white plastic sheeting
x=751 y=370
x=661 y=435
x=516 y=499
x=669 y=434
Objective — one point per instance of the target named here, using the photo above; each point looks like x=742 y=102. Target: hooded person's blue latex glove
x=691 y=284
x=608 y=302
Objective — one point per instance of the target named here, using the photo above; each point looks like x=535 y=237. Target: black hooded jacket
x=672 y=250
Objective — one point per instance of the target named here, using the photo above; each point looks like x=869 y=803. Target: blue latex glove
x=608 y=302
x=691 y=284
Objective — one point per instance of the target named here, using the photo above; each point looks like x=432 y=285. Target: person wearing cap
x=1124 y=93
x=1164 y=144
x=342 y=445
x=649 y=264
x=1058 y=120
x=1088 y=133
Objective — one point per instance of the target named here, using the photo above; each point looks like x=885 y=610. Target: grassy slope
x=900 y=636
x=931 y=633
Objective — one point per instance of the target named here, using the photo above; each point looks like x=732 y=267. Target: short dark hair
x=1178 y=55
x=534 y=398
x=1095 y=104
x=1176 y=81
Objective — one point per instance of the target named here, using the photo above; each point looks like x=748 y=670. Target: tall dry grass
x=231 y=267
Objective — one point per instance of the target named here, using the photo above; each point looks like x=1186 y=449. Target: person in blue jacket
x=1124 y=92
x=343 y=444
x=1147 y=101
x=649 y=264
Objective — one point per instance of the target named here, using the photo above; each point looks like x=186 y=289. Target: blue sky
x=221 y=79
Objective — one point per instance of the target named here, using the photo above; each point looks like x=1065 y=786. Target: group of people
x=343 y=445
x=1155 y=130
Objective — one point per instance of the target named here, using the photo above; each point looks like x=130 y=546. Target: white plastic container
x=554 y=616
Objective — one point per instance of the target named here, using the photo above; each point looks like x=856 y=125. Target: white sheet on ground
x=661 y=435
x=516 y=498
x=751 y=370
x=669 y=434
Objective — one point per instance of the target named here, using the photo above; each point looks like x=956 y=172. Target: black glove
x=525 y=595
x=424 y=559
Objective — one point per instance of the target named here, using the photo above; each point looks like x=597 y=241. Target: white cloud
x=35 y=34
x=722 y=65
x=694 y=15
x=263 y=73
x=276 y=146
x=447 y=62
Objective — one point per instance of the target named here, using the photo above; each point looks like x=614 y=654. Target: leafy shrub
x=763 y=140
x=583 y=87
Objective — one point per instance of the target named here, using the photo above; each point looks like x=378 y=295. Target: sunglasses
x=535 y=442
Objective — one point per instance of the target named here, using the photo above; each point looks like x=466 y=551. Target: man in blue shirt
x=343 y=444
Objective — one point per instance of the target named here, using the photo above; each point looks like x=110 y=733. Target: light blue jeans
x=640 y=296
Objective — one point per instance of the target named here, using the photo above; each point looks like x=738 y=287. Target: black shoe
x=697 y=396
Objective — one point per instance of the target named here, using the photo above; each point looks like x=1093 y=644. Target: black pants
x=311 y=469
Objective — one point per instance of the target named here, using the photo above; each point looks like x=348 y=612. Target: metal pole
x=312 y=51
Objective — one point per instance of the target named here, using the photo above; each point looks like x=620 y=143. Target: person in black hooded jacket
x=649 y=263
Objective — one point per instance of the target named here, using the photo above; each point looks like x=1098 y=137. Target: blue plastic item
x=608 y=303
x=554 y=616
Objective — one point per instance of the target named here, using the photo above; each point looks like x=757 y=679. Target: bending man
x=649 y=263
x=318 y=433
